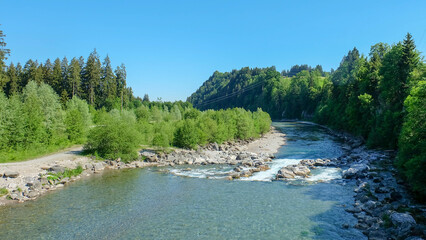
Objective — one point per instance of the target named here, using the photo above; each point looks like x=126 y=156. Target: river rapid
x=198 y=203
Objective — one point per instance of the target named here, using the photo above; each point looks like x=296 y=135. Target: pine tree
x=3 y=53
x=65 y=84
x=92 y=77
x=13 y=84
x=108 y=84
x=48 y=71
x=121 y=75
x=56 y=76
x=31 y=72
x=74 y=77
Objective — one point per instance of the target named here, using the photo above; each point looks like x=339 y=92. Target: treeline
x=120 y=134
x=91 y=80
x=304 y=67
x=379 y=97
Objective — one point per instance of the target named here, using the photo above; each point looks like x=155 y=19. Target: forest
x=47 y=107
x=379 y=97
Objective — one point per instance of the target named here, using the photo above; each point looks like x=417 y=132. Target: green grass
x=27 y=154
x=3 y=191
x=65 y=174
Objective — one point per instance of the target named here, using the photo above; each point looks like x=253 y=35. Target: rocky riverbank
x=382 y=203
x=28 y=180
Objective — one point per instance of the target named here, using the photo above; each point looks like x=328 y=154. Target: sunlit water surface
x=196 y=204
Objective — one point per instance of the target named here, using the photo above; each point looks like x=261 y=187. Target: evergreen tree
x=31 y=73
x=65 y=82
x=3 y=56
x=92 y=77
x=13 y=83
x=108 y=86
x=56 y=78
x=120 y=73
x=146 y=98
x=48 y=71
x=74 y=77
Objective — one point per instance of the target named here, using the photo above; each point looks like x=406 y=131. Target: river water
x=177 y=203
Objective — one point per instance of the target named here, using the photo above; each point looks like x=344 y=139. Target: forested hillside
x=379 y=97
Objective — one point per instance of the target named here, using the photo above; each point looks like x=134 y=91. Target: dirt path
x=68 y=158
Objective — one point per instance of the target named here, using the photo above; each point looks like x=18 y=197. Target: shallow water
x=152 y=204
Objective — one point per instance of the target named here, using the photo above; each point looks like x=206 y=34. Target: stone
x=12 y=186
x=377 y=235
x=285 y=173
x=414 y=238
x=355 y=170
x=45 y=167
x=88 y=166
x=11 y=174
x=263 y=167
x=300 y=170
x=36 y=185
x=353 y=210
x=215 y=147
x=57 y=169
x=32 y=194
x=98 y=167
x=402 y=219
x=65 y=180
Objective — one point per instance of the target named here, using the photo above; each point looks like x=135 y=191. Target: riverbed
x=197 y=203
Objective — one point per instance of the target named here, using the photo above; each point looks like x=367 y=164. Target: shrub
x=186 y=134
x=115 y=136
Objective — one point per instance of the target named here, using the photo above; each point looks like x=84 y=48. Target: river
x=196 y=203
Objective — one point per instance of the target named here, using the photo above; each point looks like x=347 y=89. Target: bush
x=115 y=136
x=186 y=135
x=77 y=120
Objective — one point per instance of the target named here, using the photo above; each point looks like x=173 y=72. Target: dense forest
x=46 y=107
x=380 y=98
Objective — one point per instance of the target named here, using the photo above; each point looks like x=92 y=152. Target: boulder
x=32 y=194
x=404 y=222
x=402 y=219
x=57 y=169
x=11 y=174
x=285 y=173
x=355 y=170
x=98 y=167
x=300 y=170
x=88 y=166
x=353 y=210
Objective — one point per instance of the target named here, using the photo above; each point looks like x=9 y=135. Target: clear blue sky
x=171 y=47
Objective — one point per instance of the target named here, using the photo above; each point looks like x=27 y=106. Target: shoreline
x=27 y=180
